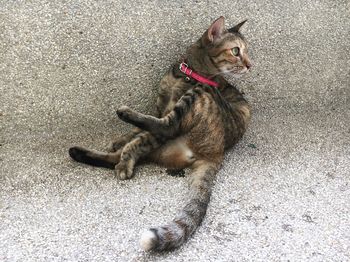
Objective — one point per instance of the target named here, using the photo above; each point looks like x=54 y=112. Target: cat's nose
x=248 y=65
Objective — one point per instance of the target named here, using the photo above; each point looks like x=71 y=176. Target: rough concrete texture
x=283 y=192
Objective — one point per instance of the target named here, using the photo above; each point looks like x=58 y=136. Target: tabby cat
x=198 y=118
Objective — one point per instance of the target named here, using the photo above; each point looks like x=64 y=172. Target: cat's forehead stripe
x=230 y=41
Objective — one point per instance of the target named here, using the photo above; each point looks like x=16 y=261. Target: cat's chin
x=237 y=75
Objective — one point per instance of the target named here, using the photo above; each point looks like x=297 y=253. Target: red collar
x=189 y=72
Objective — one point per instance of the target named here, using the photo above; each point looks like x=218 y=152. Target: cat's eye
x=235 y=51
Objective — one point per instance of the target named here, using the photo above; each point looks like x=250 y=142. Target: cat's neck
x=199 y=61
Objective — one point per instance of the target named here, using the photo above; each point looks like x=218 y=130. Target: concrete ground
x=283 y=192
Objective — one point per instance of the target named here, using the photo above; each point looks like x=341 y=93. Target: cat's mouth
x=238 y=73
x=235 y=72
x=245 y=70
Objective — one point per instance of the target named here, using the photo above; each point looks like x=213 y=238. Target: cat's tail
x=175 y=233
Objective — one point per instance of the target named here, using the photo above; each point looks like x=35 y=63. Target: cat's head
x=226 y=48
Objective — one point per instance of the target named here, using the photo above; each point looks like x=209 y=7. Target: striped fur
x=194 y=126
x=168 y=126
x=175 y=233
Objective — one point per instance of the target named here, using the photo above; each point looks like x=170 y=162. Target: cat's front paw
x=124 y=113
x=124 y=170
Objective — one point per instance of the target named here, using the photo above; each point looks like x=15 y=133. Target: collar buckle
x=190 y=73
x=184 y=69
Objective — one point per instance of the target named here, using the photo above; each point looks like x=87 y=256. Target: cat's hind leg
x=95 y=158
x=167 y=126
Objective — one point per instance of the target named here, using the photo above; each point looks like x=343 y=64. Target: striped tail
x=175 y=233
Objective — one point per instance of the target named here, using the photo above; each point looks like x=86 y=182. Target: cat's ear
x=216 y=29
x=236 y=28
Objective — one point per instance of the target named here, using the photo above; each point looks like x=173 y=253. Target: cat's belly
x=178 y=149
x=175 y=154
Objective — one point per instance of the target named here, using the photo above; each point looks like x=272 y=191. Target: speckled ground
x=283 y=192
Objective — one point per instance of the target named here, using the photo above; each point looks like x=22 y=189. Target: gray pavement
x=283 y=192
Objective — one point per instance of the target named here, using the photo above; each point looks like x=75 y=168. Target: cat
x=199 y=116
